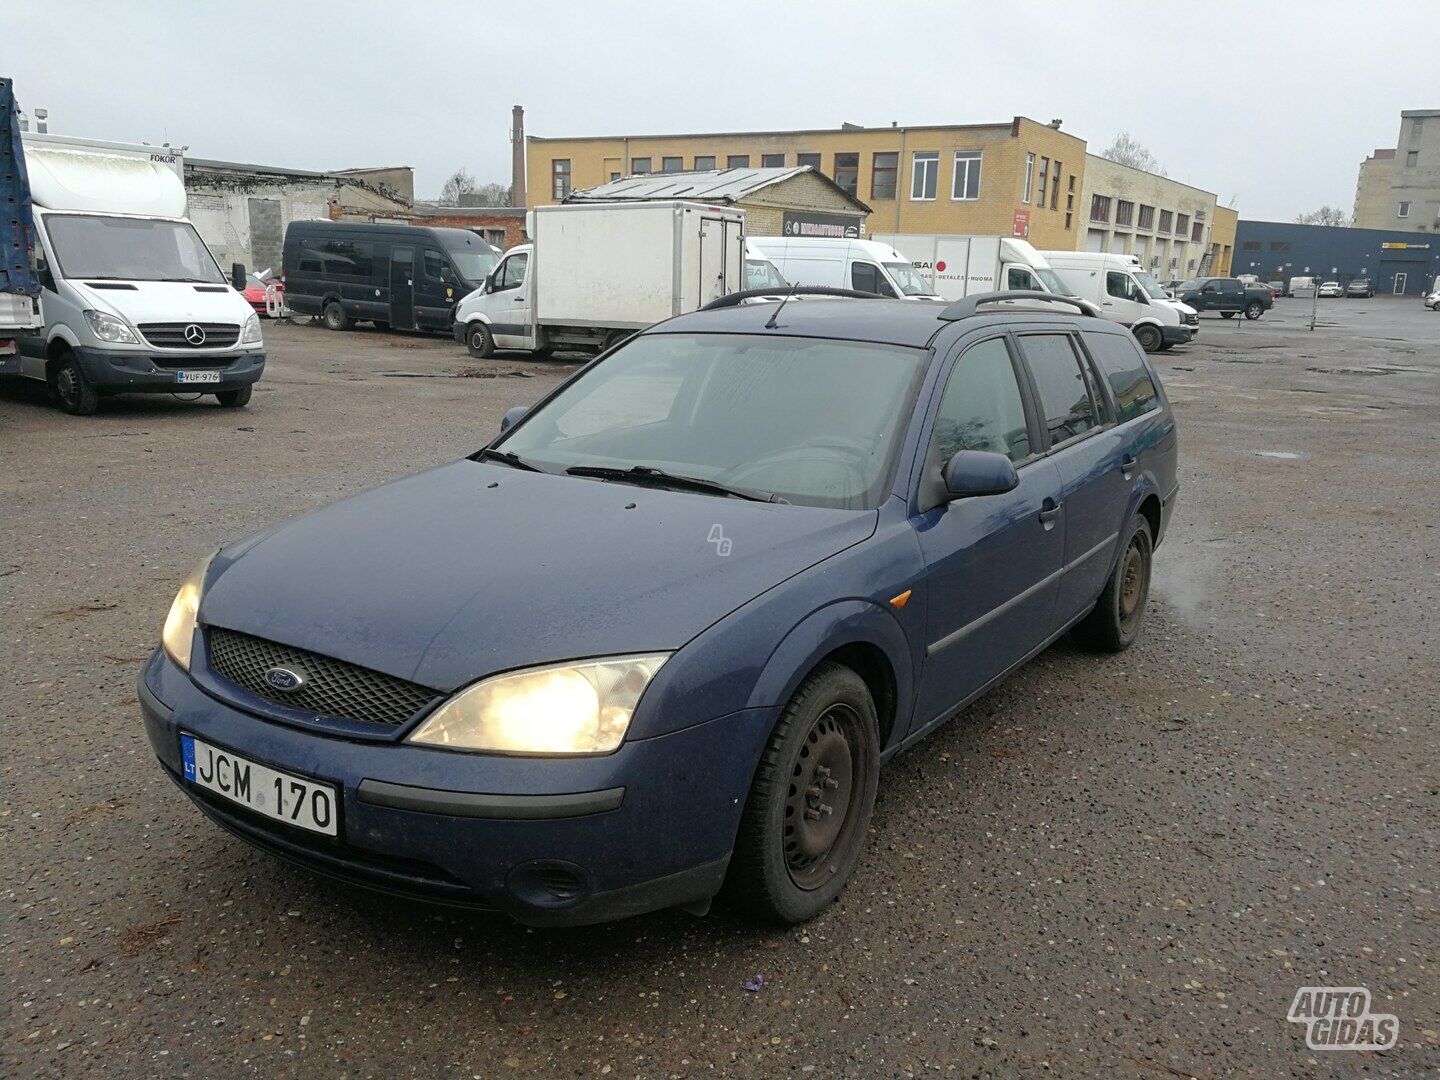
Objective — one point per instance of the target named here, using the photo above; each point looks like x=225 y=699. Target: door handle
x=1106 y=303
x=518 y=299
x=1049 y=511
x=1127 y=466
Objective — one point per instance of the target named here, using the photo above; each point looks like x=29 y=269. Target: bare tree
x=460 y=183
x=462 y=189
x=1124 y=149
x=492 y=195
x=1326 y=215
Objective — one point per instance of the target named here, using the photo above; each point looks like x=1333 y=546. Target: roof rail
x=736 y=298
x=964 y=309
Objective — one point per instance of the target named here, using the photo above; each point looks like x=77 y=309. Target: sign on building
x=838 y=226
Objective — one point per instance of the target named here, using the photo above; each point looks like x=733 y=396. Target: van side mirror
x=979 y=472
x=237 y=276
x=512 y=417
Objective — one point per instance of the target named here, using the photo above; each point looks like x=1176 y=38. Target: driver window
x=435 y=266
x=1119 y=285
x=981 y=408
x=1017 y=277
x=866 y=277
x=512 y=274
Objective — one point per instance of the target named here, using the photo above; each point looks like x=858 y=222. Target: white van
x=865 y=265
x=134 y=301
x=1128 y=294
x=954 y=267
x=760 y=272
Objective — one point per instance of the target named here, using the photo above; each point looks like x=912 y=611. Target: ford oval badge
x=285 y=680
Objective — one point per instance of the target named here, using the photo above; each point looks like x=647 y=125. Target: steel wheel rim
x=1133 y=583
x=67 y=385
x=821 y=801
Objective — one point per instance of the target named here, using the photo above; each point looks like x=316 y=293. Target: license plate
x=197 y=376
x=269 y=792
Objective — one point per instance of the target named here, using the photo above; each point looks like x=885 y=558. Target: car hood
x=473 y=568
x=164 y=301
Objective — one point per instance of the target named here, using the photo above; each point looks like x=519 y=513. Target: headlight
x=179 y=632
x=109 y=328
x=580 y=708
x=252 y=335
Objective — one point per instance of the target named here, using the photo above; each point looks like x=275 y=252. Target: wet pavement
x=1119 y=864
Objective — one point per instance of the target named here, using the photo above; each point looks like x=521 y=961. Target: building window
x=1182 y=224
x=772 y=161
x=812 y=160
x=1147 y=217
x=672 y=164
x=614 y=176
x=1250 y=245
x=1191 y=266
x=1100 y=208
x=1029 y=177
x=1279 y=245
x=1055 y=187
x=1167 y=221
x=1044 y=178
x=924 y=175
x=966 y=184
x=559 y=178
x=1068 y=216
x=847 y=172
x=1403 y=210
x=882 y=175
x=704 y=162
x=1412 y=158
x=1197 y=231
x=639 y=165
x=737 y=161
x=1124 y=212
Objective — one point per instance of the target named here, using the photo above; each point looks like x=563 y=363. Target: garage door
x=1095 y=240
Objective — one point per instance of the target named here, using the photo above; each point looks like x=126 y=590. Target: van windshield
x=1153 y=288
x=473 y=261
x=761 y=274
x=911 y=283
x=130 y=249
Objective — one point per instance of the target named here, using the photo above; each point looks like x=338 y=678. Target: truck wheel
x=479 y=340
x=1114 y=622
x=1254 y=309
x=234 y=399
x=1149 y=338
x=808 y=811
x=1227 y=314
x=70 y=387
x=335 y=317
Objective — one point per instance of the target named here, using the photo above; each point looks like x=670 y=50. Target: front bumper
x=647 y=827
x=1178 y=335
x=459 y=330
x=117 y=371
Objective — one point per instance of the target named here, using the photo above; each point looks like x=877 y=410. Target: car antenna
x=770 y=323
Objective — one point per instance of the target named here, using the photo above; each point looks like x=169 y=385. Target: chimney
x=517 y=156
x=42 y=120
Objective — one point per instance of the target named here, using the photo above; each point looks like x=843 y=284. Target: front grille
x=332 y=687
x=1193 y=320
x=172 y=335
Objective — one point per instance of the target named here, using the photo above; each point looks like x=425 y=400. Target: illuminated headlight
x=179 y=631
x=109 y=328
x=251 y=334
x=580 y=708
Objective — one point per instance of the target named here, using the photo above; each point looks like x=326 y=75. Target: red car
x=254 y=294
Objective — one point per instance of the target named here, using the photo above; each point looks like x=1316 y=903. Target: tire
x=335 y=317
x=1115 y=621
x=1166 y=346
x=788 y=866
x=479 y=340
x=234 y=399
x=1227 y=314
x=1149 y=338
x=617 y=337
x=1254 y=310
x=71 y=390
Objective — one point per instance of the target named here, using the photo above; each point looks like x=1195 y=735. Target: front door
x=402 y=288
x=1121 y=301
x=993 y=562
x=510 y=312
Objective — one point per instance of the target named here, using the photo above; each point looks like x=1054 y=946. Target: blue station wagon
x=652 y=644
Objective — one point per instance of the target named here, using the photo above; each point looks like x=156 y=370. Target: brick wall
x=512 y=225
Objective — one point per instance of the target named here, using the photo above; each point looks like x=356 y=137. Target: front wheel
x=234 y=399
x=1254 y=310
x=335 y=317
x=1114 y=623
x=1149 y=338
x=70 y=387
x=806 y=818
x=479 y=340
x=1227 y=314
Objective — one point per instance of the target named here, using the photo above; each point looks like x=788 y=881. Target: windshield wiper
x=646 y=476
x=191 y=280
x=509 y=457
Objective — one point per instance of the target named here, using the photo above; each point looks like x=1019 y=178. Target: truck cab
x=1129 y=295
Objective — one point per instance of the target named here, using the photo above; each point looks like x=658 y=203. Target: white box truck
x=954 y=267
x=134 y=301
x=594 y=273
x=1127 y=293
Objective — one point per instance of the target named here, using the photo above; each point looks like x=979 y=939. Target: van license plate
x=197 y=376
x=269 y=792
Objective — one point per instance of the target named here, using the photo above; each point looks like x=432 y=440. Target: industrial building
x=1399 y=187
x=1396 y=261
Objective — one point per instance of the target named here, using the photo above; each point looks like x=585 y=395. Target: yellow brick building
x=1021 y=178
x=1222 y=240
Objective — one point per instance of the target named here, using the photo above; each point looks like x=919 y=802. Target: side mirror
x=979 y=472
x=489 y=284
x=512 y=417
x=237 y=276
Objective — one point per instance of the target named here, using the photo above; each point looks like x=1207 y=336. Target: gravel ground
x=1117 y=864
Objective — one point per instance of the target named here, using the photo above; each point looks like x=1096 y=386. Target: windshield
x=812 y=421
x=474 y=260
x=130 y=249
x=911 y=283
x=1153 y=288
x=761 y=274
x=1052 y=281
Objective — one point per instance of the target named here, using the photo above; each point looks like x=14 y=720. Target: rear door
x=1232 y=294
x=402 y=287
x=712 y=260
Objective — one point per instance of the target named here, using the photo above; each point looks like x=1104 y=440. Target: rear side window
x=336 y=258
x=1064 y=393
x=981 y=408
x=1124 y=367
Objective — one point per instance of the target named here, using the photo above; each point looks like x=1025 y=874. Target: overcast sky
x=1271 y=104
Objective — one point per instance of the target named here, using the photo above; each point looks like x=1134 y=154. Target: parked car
x=1433 y=301
x=669 y=623
x=1331 y=289
x=254 y=291
x=1302 y=288
x=1363 y=287
x=1277 y=288
x=1228 y=296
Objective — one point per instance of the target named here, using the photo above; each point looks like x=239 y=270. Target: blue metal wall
x=1327 y=253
